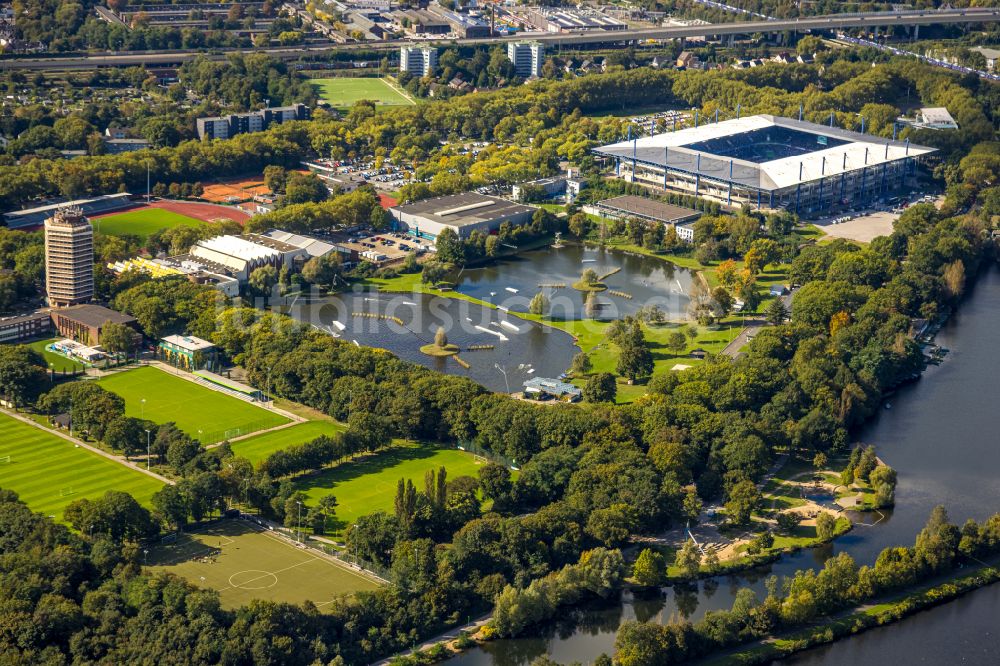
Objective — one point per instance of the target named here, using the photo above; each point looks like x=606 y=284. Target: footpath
x=90 y=447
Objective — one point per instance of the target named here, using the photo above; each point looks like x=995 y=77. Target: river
x=940 y=435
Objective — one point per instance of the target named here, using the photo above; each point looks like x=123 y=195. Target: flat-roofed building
x=69 y=258
x=240 y=256
x=527 y=58
x=463 y=213
x=25 y=327
x=630 y=206
x=936 y=117
x=223 y=127
x=189 y=352
x=85 y=323
x=552 y=388
x=418 y=61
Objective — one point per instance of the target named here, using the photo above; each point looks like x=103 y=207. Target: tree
x=883 y=480
x=322 y=271
x=600 y=388
x=649 y=568
x=22 y=374
x=115 y=514
x=825 y=526
x=788 y=521
x=581 y=364
x=613 y=525
x=776 y=313
x=263 y=279
x=744 y=499
x=495 y=481
x=303 y=188
x=688 y=559
x=676 y=341
x=634 y=360
x=449 y=247
x=539 y=304
x=119 y=338
x=588 y=277
x=820 y=461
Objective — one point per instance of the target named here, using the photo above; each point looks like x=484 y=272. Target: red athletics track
x=199 y=211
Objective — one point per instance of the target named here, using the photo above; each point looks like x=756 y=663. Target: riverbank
x=858 y=620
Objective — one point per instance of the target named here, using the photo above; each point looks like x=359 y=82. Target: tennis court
x=243 y=561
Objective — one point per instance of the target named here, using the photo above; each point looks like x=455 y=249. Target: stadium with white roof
x=768 y=162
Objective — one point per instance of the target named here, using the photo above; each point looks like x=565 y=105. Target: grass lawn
x=344 y=92
x=58 y=362
x=258 y=447
x=143 y=222
x=49 y=472
x=244 y=562
x=368 y=484
x=191 y=406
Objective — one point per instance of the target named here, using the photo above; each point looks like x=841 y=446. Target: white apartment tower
x=527 y=58
x=69 y=258
x=418 y=60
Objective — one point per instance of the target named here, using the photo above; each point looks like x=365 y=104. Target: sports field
x=344 y=92
x=245 y=562
x=49 y=472
x=261 y=446
x=191 y=406
x=142 y=222
x=57 y=361
x=368 y=484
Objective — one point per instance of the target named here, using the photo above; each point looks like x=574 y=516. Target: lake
x=940 y=435
x=522 y=349
x=647 y=280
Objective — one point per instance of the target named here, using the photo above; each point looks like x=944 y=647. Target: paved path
x=93 y=449
x=733 y=348
x=445 y=637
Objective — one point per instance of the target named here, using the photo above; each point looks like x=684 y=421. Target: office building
x=69 y=258
x=418 y=61
x=527 y=58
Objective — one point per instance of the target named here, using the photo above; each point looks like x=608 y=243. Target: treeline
x=811 y=596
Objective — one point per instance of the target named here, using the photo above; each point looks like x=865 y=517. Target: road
x=830 y=22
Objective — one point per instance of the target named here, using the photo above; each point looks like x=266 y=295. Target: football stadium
x=769 y=162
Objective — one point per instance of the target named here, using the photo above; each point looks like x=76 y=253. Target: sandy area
x=862 y=229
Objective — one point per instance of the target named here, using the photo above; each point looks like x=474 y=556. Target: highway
x=595 y=37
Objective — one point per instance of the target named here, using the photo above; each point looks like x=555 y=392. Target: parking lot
x=868 y=225
x=385 y=247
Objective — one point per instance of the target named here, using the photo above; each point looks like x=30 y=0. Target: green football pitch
x=244 y=562
x=142 y=222
x=206 y=415
x=368 y=484
x=344 y=92
x=261 y=446
x=49 y=472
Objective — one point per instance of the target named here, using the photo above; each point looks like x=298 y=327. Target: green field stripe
x=43 y=464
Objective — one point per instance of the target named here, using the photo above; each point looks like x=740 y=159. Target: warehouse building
x=239 y=256
x=464 y=213
x=85 y=323
x=768 y=162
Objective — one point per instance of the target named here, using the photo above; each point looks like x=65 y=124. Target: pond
x=632 y=280
x=514 y=349
x=940 y=436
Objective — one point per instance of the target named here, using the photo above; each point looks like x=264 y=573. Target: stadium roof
x=837 y=151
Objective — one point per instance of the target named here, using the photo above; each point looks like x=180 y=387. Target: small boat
x=888 y=405
x=511 y=290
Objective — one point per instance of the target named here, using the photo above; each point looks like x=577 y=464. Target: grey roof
x=552 y=386
x=463 y=209
x=94 y=316
x=649 y=208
